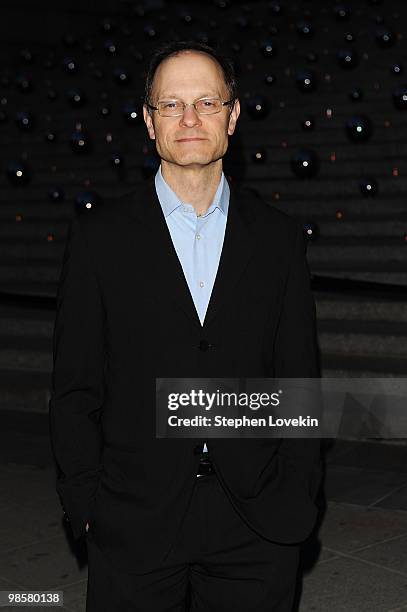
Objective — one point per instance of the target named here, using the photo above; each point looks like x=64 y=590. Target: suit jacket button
x=204 y=345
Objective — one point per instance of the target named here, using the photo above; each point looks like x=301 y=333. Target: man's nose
x=190 y=116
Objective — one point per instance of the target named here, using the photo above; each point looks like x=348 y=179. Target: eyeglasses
x=176 y=108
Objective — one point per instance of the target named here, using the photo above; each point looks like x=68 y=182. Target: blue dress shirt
x=197 y=240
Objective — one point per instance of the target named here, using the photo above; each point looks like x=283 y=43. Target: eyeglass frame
x=185 y=104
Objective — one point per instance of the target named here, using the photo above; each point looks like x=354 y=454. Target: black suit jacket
x=124 y=317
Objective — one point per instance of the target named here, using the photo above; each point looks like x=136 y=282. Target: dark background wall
x=327 y=81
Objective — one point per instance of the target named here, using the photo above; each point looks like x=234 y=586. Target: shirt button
x=201 y=284
x=198 y=236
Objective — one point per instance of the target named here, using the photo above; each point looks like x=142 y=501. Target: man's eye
x=208 y=103
x=169 y=104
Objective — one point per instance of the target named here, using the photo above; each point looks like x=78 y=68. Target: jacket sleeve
x=296 y=355
x=77 y=381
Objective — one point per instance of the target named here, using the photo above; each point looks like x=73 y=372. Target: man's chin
x=194 y=160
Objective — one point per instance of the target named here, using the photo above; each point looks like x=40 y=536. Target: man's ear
x=148 y=120
x=235 y=112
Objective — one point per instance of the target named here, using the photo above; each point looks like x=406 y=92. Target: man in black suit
x=187 y=276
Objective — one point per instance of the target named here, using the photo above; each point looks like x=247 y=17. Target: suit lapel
x=238 y=247
x=165 y=270
x=165 y=266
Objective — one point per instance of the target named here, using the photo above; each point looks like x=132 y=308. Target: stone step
x=28 y=272
x=339 y=308
x=386 y=273
x=365 y=365
x=22 y=322
x=337 y=372
x=38 y=290
x=358 y=250
x=361 y=228
x=26 y=353
x=364 y=344
x=25 y=390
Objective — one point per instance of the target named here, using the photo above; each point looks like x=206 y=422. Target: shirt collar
x=170 y=201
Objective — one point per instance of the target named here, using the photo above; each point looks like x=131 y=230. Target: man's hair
x=173 y=48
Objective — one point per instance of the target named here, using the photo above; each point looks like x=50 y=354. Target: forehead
x=189 y=73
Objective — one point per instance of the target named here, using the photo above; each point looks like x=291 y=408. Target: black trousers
x=217 y=564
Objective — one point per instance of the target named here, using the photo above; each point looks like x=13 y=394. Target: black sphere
x=98 y=73
x=86 y=200
x=150 y=31
x=356 y=95
x=342 y=12
x=306 y=81
x=385 y=38
x=117 y=161
x=311 y=57
x=105 y=110
x=305 y=164
x=268 y=49
x=121 y=76
x=397 y=69
x=50 y=137
x=25 y=121
x=259 y=156
x=56 y=194
x=242 y=22
x=132 y=114
x=24 y=83
x=76 y=98
x=359 y=128
x=311 y=230
x=368 y=187
x=347 y=58
x=257 y=107
x=52 y=94
x=80 y=142
x=107 y=26
x=69 y=40
x=276 y=8
x=70 y=66
x=18 y=173
x=110 y=47
x=349 y=37
x=49 y=63
x=270 y=79
x=185 y=16
x=308 y=123
x=305 y=29
x=400 y=98
x=27 y=56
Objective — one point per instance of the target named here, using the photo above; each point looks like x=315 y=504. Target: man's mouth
x=189 y=139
